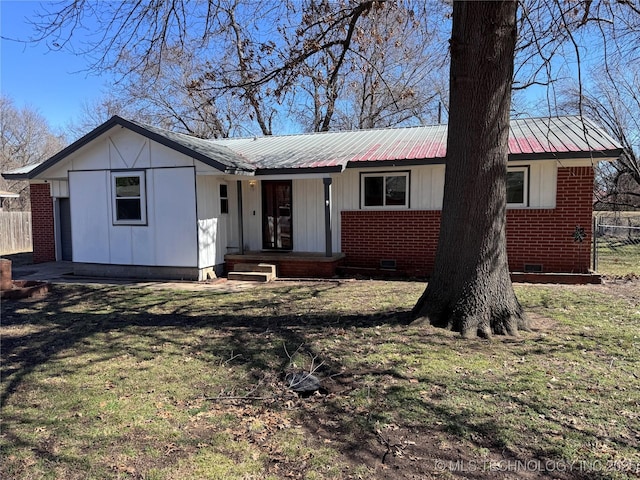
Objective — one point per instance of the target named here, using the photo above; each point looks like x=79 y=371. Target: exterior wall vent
x=388 y=264
x=532 y=268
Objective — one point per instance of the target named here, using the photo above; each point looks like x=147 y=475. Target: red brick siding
x=42 y=229
x=409 y=237
x=545 y=236
x=298 y=268
x=534 y=236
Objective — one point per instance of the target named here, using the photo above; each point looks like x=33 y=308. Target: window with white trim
x=518 y=186
x=224 y=198
x=129 y=202
x=390 y=189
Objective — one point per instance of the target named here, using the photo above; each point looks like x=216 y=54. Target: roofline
x=93 y=134
x=513 y=157
x=396 y=163
x=598 y=154
x=298 y=171
x=134 y=127
x=156 y=137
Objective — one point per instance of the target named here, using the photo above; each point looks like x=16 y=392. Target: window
x=129 y=206
x=385 y=189
x=224 y=198
x=517 y=186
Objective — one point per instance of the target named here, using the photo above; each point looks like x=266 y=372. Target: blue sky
x=57 y=83
x=52 y=82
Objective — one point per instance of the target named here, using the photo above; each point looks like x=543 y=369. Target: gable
x=116 y=153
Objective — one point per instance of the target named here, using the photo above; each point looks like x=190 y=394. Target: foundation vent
x=532 y=268
x=388 y=264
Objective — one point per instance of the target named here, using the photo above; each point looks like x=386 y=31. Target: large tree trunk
x=470 y=290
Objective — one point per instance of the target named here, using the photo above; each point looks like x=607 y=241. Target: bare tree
x=402 y=80
x=470 y=290
x=613 y=99
x=25 y=138
x=233 y=65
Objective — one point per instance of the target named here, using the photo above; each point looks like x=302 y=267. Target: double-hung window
x=518 y=186
x=224 y=198
x=390 y=189
x=129 y=203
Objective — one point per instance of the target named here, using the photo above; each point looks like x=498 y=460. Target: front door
x=276 y=215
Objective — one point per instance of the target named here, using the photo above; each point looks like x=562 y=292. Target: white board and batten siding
x=217 y=231
x=170 y=236
x=307 y=215
x=426 y=190
x=543 y=178
x=168 y=239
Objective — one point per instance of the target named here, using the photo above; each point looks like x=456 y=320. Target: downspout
x=327 y=217
x=240 y=219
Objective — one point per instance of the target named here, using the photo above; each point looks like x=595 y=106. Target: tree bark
x=470 y=290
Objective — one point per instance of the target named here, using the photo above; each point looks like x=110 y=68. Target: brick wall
x=409 y=237
x=43 y=233
x=297 y=268
x=545 y=236
x=534 y=236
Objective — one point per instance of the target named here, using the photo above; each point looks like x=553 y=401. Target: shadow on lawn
x=53 y=330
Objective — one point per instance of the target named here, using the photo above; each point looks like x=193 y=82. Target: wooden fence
x=15 y=232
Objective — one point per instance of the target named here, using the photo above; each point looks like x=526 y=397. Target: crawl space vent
x=388 y=264
x=532 y=268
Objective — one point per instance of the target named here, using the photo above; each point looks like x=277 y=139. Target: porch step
x=251 y=272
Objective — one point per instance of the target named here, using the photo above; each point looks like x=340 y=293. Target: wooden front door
x=277 y=215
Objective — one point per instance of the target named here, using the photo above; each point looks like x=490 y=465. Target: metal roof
x=205 y=151
x=209 y=152
x=529 y=139
x=558 y=135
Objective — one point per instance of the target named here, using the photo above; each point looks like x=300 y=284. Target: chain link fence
x=616 y=243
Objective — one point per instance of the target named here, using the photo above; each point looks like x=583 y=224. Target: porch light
x=252 y=183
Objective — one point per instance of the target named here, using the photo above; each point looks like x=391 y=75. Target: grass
x=619 y=259
x=113 y=382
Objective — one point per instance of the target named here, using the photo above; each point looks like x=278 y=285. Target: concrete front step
x=255 y=267
x=261 y=272
x=250 y=276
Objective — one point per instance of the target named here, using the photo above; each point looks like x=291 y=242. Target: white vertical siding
x=207 y=220
x=426 y=188
x=233 y=230
x=59 y=188
x=213 y=225
x=90 y=216
x=252 y=215
x=308 y=215
x=174 y=214
x=169 y=238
